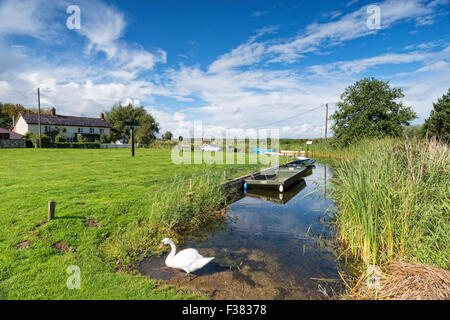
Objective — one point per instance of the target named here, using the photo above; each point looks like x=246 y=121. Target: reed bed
x=393 y=202
x=176 y=211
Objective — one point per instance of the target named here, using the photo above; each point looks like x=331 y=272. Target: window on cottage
x=80 y=130
x=102 y=130
x=91 y=130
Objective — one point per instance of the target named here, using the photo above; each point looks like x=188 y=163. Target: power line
x=291 y=117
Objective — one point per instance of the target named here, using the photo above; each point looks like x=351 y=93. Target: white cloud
x=103 y=26
x=22 y=18
x=437 y=66
x=432 y=61
x=242 y=89
x=244 y=55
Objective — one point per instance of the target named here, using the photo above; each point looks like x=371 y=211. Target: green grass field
x=133 y=202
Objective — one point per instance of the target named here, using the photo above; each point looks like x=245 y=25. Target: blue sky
x=231 y=64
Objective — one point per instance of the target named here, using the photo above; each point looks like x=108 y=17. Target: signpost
x=307 y=145
x=132 y=125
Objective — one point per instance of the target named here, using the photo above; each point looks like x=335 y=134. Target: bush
x=34 y=138
x=104 y=139
x=77 y=145
x=415 y=131
x=59 y=139
x=162 y=144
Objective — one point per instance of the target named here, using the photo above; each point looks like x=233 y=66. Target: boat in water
x=280 y=178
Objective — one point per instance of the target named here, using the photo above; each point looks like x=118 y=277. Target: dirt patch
x=41 y=224
x=23 y=245
x=90 y=223
x=61 y=246
x=407 y=281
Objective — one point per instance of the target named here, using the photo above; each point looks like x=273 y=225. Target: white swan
x=188 y=260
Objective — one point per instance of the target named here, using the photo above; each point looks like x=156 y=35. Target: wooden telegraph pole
x=39 y=119
x=326 y=123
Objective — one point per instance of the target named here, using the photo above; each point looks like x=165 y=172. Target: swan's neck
x=172 y=251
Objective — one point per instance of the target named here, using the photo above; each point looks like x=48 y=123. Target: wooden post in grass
x=225 y=175
x=190 y=184
x=51 y=210
x=208 y=179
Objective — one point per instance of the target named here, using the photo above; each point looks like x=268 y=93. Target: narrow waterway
x=273 y=246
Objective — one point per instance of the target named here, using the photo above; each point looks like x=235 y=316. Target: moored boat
x=281 y=178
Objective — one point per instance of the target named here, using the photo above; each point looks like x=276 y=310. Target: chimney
x=102 y=116
x=53 y=111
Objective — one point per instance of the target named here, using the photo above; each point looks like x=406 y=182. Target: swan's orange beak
x=161 y=245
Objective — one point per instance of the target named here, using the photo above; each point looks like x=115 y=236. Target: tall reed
x=393 y=203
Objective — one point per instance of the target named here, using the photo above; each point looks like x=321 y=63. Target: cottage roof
x=60 y=120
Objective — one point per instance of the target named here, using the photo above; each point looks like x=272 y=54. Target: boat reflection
x=275 y=196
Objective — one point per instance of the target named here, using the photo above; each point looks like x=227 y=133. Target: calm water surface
x=273 y=246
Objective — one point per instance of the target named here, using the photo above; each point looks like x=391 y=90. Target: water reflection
x=275 y=196
x=272 y=247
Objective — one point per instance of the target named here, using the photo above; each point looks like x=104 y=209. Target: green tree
x=167 y=135
x=438 y=124
x=119 y=115
x=370 y=108
x=9 y=112
x=46 y=111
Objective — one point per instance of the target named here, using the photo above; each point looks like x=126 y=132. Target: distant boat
x=210 y=147
x=263 y=151
x=278 y=178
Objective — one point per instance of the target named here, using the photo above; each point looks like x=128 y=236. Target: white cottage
x=69 y=126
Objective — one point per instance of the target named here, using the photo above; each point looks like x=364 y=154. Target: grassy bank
x=111 y=210
x=393 y=203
